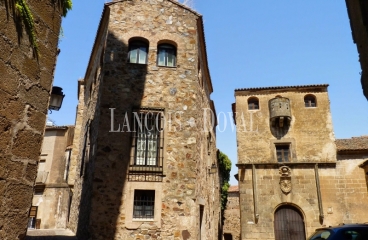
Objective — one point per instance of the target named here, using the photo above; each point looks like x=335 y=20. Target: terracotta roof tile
x=281 y=87
x=351 y=144
x=233 y=189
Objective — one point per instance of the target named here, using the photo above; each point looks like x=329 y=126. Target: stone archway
x=289 y=223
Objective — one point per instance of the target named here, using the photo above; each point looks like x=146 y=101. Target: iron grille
x=146 y=159
x=144 y=204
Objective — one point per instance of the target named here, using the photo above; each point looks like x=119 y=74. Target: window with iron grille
x=253 y=103
x=283 y=153
x=144 y=204
x=310 y=101
x=147 y=146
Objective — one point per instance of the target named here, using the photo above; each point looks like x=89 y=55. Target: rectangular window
x=147 y=146
x=147 y=139
x=86 y=147
x=283 y=153
x=39 y=189
x=201 y=222
x=32 y=217
x=228 y=236
x=144 y=204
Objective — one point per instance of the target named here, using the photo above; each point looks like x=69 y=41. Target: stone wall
x=358 y=12
x=87 y=121
x=53 y=203
x=24 y=97
x=232 y=214
x=188 y=151
x=344 y=191
x=323 y=188
x=310 y=133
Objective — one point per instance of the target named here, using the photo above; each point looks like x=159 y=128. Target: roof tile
x=354 y=143
x=233 y=189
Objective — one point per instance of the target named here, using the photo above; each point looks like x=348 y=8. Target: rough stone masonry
x=24 y=95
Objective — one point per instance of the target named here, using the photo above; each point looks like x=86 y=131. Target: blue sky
x=250 y=43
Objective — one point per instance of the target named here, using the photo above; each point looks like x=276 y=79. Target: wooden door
x=289 y=224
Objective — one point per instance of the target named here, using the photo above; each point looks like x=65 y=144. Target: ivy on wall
x=24 y=14
x=224 y=168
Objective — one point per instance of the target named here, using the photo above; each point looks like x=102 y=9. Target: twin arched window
x=138 y=53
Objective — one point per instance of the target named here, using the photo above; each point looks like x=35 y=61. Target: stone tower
x=145 y=153
x=288 y=168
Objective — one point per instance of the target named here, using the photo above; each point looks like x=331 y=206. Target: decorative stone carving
x=285 y=185
x=285 y=179
x=285 y=171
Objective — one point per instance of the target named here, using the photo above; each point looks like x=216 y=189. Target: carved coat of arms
x=285 y=179
x=285 y=185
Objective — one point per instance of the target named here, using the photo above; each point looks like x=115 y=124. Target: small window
x=228 y=236
x=283 y=153
x=32 y=217
x=310 y=101
x=138 y=51
x=39 y=189
x=166 y=55
x=253 y=103
x=144 y=204
x=209 y=141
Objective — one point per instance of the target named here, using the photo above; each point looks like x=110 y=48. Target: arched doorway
x=289 y=224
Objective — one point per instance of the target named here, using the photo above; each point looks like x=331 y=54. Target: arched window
x=310 y=101
x=138 y=51
x=253 y=103
x=166 y=55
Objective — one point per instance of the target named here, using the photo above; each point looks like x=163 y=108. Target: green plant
x=224 y=168
x=28 y=21
x=24 y=14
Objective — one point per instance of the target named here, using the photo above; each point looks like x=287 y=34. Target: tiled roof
x=233 y=189
x=282 y=87
x=56 y=127
x=351 y=144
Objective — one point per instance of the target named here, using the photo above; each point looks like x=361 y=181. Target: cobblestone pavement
x=52 y=234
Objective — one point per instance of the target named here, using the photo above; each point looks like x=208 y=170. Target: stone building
x=231 y=228
x=144 y=147
x=25 y=87
x=52 y=194
x=358 y=15
x=289 y=167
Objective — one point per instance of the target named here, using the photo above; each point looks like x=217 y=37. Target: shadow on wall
x=121 y=87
